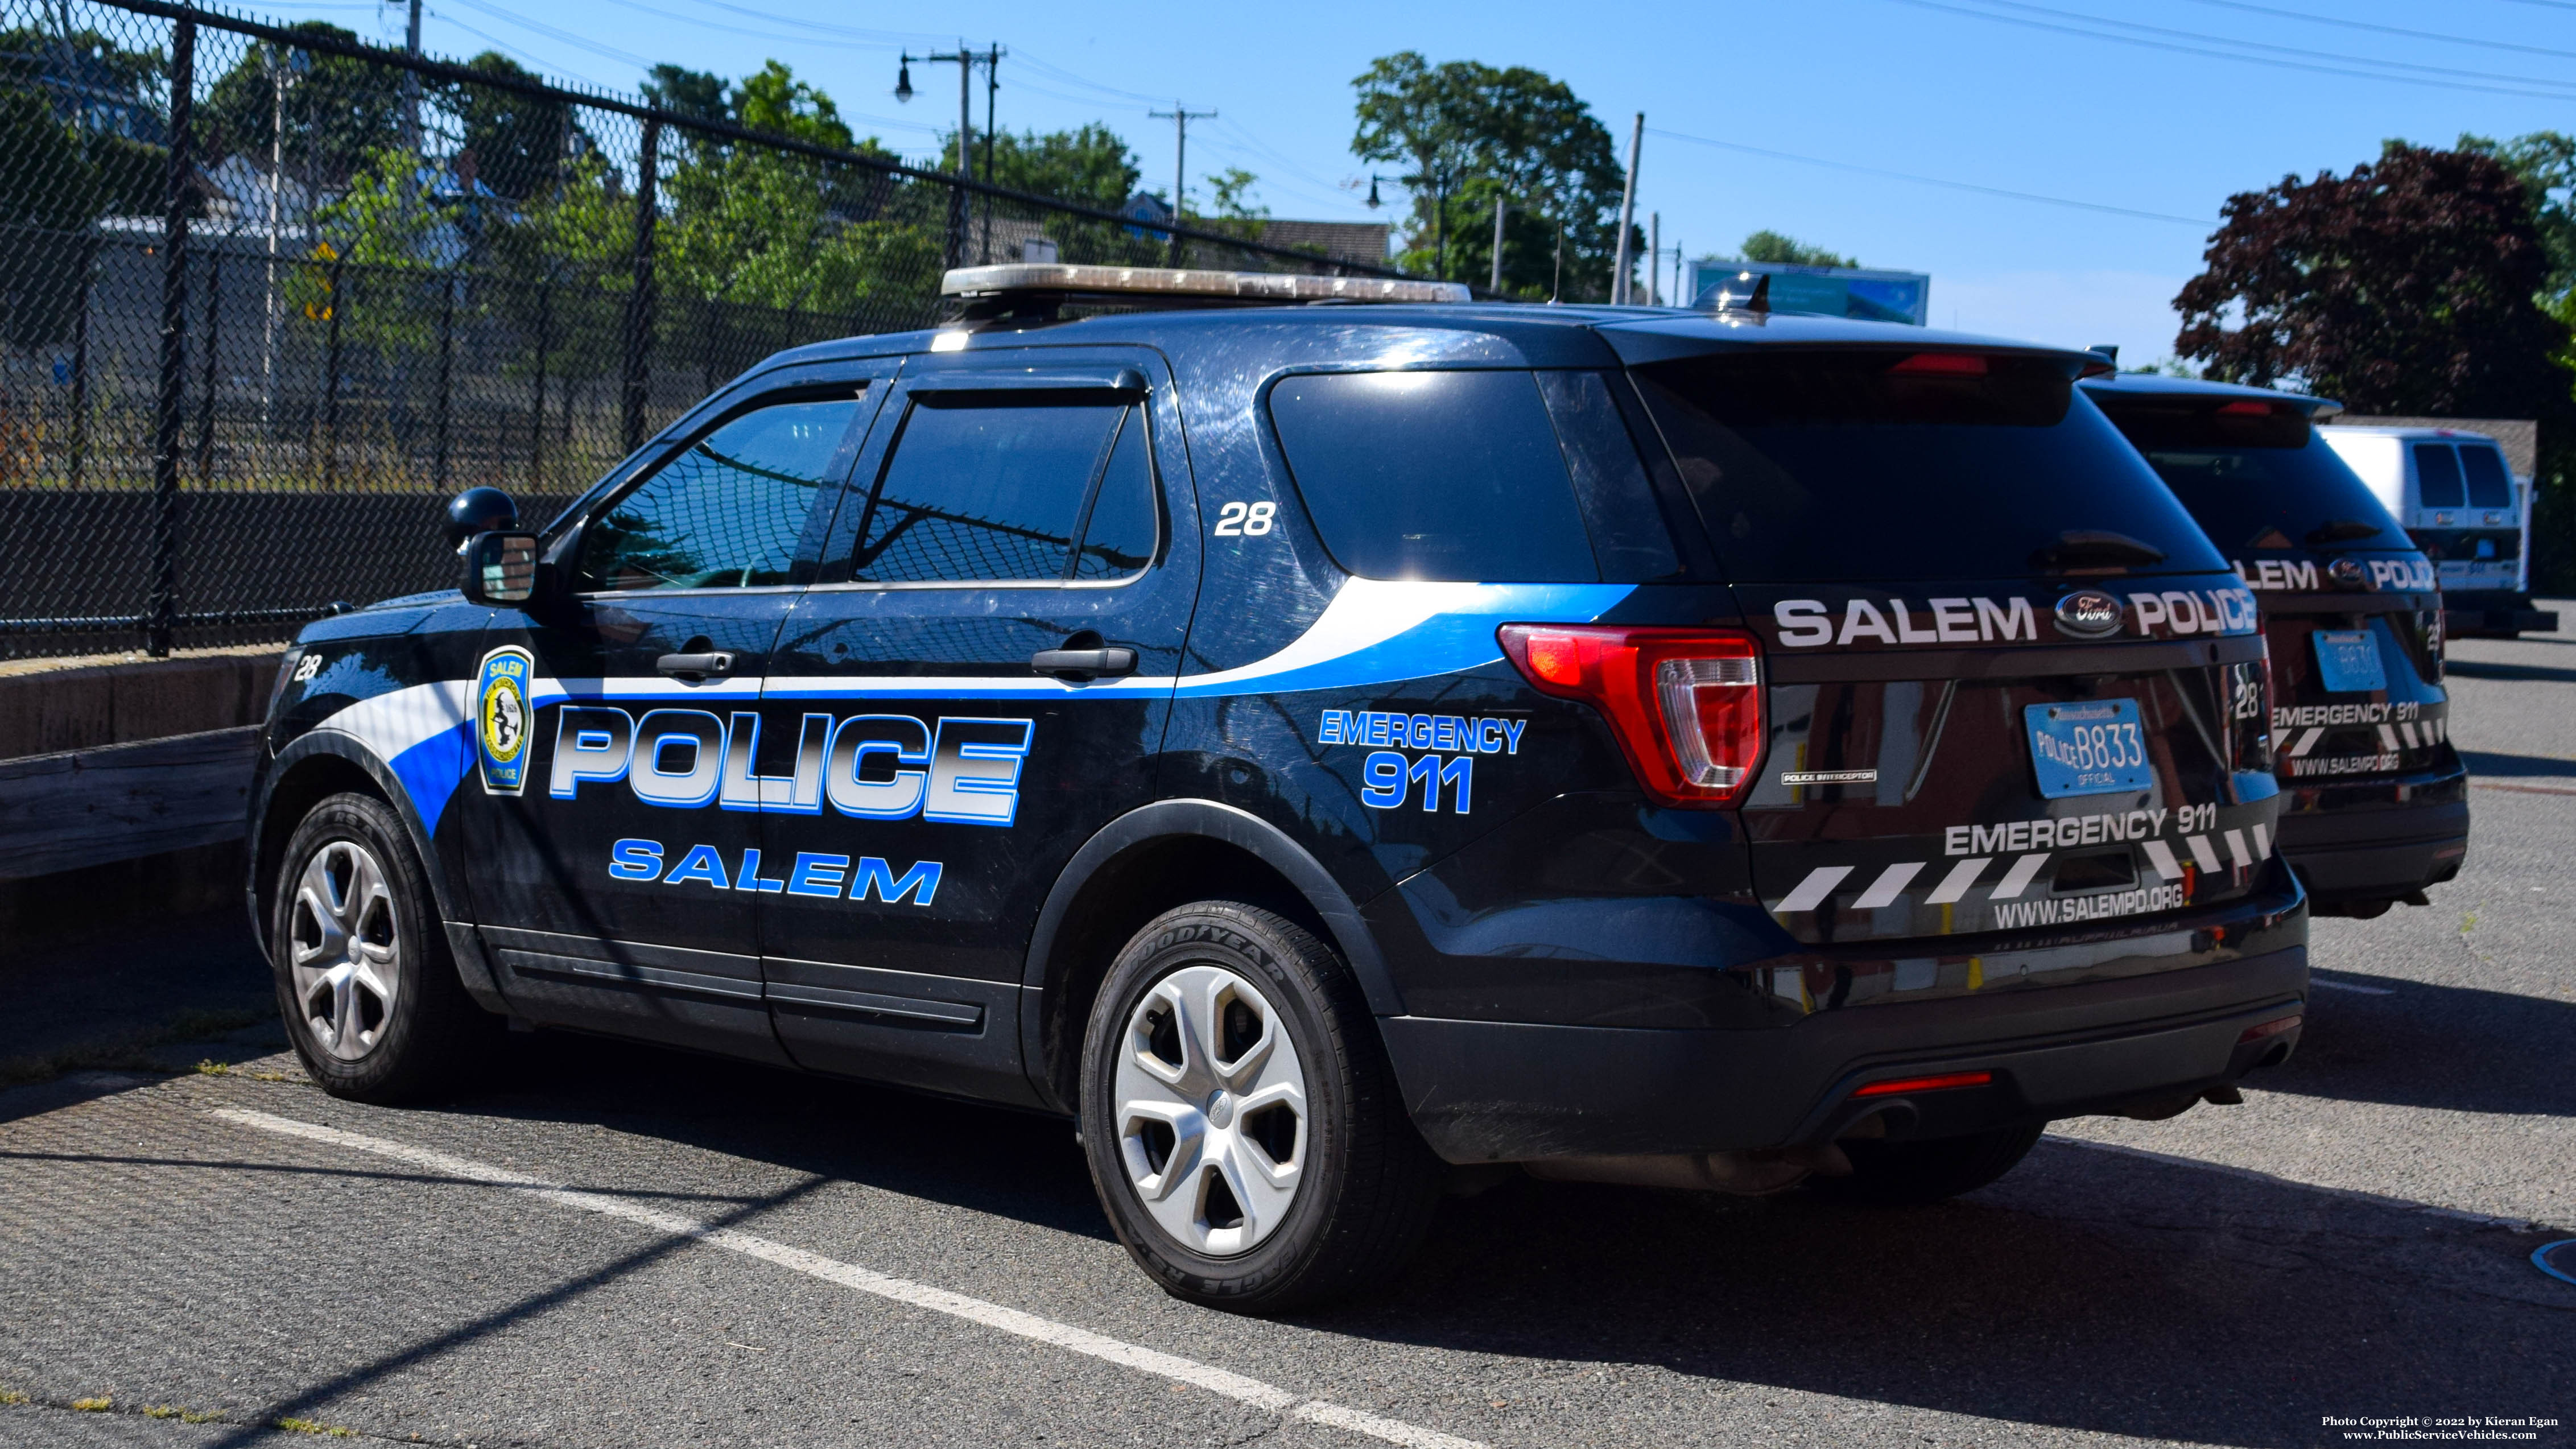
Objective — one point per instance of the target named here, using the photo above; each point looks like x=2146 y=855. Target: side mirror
x=500 y=568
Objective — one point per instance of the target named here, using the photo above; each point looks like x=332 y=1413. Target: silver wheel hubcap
x=1211 y=1110
x=345 y=949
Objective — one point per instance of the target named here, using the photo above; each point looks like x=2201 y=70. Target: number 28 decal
x=1239 y=520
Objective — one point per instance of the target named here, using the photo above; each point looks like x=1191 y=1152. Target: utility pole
x=1655 y=259
x=992 y=84
x=1497 y=283
x=1619 y=289
x=1180 y=116
x=965 y=60
x=411 y=87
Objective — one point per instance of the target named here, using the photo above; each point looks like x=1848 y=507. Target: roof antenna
x=1745 y=292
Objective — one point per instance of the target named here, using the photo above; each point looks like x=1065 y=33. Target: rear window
x=1434 y=475
x=2255 y=479
x=2490 y=486
x=2437 y=475
x=1894 y=465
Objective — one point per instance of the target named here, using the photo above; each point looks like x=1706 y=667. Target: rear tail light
x=2247 y=409
x=1942 y=1083
x=1686 y=704
x=2275 y=1027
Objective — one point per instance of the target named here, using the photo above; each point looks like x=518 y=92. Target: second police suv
x=1329 y=751
x=2376 y=801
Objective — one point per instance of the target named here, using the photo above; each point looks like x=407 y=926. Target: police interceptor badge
x=501 y=718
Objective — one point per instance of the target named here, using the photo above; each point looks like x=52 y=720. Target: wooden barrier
x=94 y=807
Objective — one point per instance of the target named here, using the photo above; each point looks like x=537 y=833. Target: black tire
x=421 y=1037
x=1911 y=1174
x=1366 y=1184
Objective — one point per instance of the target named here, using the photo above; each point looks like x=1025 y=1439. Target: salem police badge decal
x=502 y=719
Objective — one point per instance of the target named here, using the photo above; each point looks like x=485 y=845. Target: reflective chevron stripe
x=2244 y=847
x=1890 y=882
x=2161 y=856
x=1812 y=891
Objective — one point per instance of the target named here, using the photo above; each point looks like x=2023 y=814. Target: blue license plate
x=2089 y=748
x=2348 y=661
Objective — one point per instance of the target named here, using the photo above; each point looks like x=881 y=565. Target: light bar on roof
x=1175 y=282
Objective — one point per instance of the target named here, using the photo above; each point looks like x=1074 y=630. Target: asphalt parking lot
x=617 y=1246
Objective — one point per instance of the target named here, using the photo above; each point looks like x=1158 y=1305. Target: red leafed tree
x=2408 y=286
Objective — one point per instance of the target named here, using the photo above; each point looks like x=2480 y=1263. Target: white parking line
x=991 y=1315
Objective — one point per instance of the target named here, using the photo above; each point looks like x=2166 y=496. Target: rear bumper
x=1486 y=1091
x=2495 y=613
x=2376 y=840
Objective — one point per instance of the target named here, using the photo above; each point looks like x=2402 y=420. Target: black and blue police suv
x=1323 y=736
x=2376 y=802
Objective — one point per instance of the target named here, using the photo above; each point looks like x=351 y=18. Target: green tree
x=1090 y=166
x=682 y=91
x=80 y=138
x=1469 y=133
x=1771 y=246
x=756 y=226
x=339 y=111
x=2412 y=285
x=520 y=142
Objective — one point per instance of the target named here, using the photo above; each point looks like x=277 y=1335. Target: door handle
x=695 y=668
x=1081 y=666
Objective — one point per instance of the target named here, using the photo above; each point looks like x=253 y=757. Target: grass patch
x=128 y=1051
x=12 y=1396
x=307 y=1426
x=99 y=1405
x=209 y=1067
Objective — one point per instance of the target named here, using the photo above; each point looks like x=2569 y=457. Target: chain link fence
x=268 y=297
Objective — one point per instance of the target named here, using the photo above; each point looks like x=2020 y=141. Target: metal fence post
x=80 y=357
x=339 y=303
x=209 y=344
x=171 y=410
x=639 y=302
x=537 y=414
x=446 y=368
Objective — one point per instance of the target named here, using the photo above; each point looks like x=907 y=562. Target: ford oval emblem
x=2349 y=573
x=2089 y=614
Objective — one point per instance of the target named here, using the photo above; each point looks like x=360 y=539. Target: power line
x=721 y=28
x=561 y=37
x=2551 y=95
x=2339 y=21
x=1929 y=180
x=2295 y=50
x=541 y=65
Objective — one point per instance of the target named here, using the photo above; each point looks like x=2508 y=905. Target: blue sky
x=1992 y=93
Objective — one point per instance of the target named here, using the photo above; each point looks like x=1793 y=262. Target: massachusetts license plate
x=2348 y=661
x=2089 y=748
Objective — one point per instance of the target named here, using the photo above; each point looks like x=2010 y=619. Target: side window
x=728 y=512
x=1434 y=475
x=2489 y=485
x=2437 y=475
x=1125 y=523
x=987 y=489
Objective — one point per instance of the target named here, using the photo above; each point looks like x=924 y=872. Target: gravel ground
x=2353 y=1241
